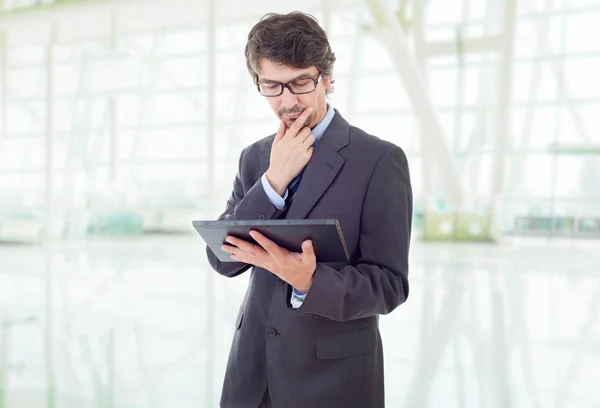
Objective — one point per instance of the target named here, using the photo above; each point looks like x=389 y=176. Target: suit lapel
x=320 y=171
x=322 y=168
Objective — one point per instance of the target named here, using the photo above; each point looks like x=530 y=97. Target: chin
x=289 y=122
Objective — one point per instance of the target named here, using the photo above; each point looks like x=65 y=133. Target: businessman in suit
x=307 y=334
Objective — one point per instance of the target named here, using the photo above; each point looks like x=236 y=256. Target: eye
x=302 y=82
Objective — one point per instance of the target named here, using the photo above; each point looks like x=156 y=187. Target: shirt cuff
x=297 y=298
x=274 y=198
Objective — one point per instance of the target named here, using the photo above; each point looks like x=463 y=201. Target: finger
x=232 y=249
x=271 y=247
x=236 y=253
x=246 y=252
x=308 y=251
x=299 y=122
x=281 y=132
x=309 y=141
x=244 y=258
x=246 y=247
x=303 y=134
x=228 y=248
x=308 y=153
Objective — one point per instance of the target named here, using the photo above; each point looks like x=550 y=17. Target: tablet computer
x=326 y=235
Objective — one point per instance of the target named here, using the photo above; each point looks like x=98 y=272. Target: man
x=307 y=333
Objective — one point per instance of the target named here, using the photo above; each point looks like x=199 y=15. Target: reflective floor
x=146 y=323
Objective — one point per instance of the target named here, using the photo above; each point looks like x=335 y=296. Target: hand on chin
x=290 y=121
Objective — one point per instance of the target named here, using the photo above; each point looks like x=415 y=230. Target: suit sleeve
x=377 y=282
x=243 y=205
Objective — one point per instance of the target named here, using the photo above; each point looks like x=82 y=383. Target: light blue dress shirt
x=279 y=202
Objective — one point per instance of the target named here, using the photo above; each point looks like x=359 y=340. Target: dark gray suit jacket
x=328 y=352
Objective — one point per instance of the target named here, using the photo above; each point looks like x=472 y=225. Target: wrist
x=305 y=287
x=276 y=184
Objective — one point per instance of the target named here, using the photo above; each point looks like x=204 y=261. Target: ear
x=328 y=83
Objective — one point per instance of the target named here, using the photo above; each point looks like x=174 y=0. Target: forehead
x=278 y=72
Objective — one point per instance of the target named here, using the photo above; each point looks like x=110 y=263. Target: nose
x=288 y=99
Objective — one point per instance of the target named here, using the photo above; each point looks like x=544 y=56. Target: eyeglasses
x=298 y=86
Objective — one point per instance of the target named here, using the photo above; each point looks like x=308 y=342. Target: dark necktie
x=292 y=189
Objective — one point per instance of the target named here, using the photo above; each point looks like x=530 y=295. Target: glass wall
x=124 y=118
x=122 y=99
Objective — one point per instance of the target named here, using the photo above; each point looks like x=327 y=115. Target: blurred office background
x=122 y=121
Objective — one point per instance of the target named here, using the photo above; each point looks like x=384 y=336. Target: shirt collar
x=323 y=124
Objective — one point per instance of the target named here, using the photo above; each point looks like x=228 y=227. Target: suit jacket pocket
x=345 y=345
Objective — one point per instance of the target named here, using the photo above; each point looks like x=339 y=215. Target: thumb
x=280 y=132
x=307 y=248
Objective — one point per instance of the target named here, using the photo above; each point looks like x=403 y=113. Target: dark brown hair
x=295 y=39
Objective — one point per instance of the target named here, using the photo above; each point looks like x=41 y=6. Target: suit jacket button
x=272 y=333
x=261 y=217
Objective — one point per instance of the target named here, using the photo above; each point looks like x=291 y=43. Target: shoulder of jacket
x=368 y=142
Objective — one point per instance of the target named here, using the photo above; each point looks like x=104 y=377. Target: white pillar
x=49 y=331
x=327 y=15
x=354 y=73
x=3 y=82
x=112 y=106
x=49 y=135
x=393 y=39
x=504 y=112
x=542 y=26
x=48 y=217
x=4 y=338
x=426 y=157
x=112 y=362
x=208 y=296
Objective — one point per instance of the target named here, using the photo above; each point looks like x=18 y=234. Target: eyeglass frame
x=282 y=86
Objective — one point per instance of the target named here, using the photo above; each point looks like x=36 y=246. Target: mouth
x=291 y=115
